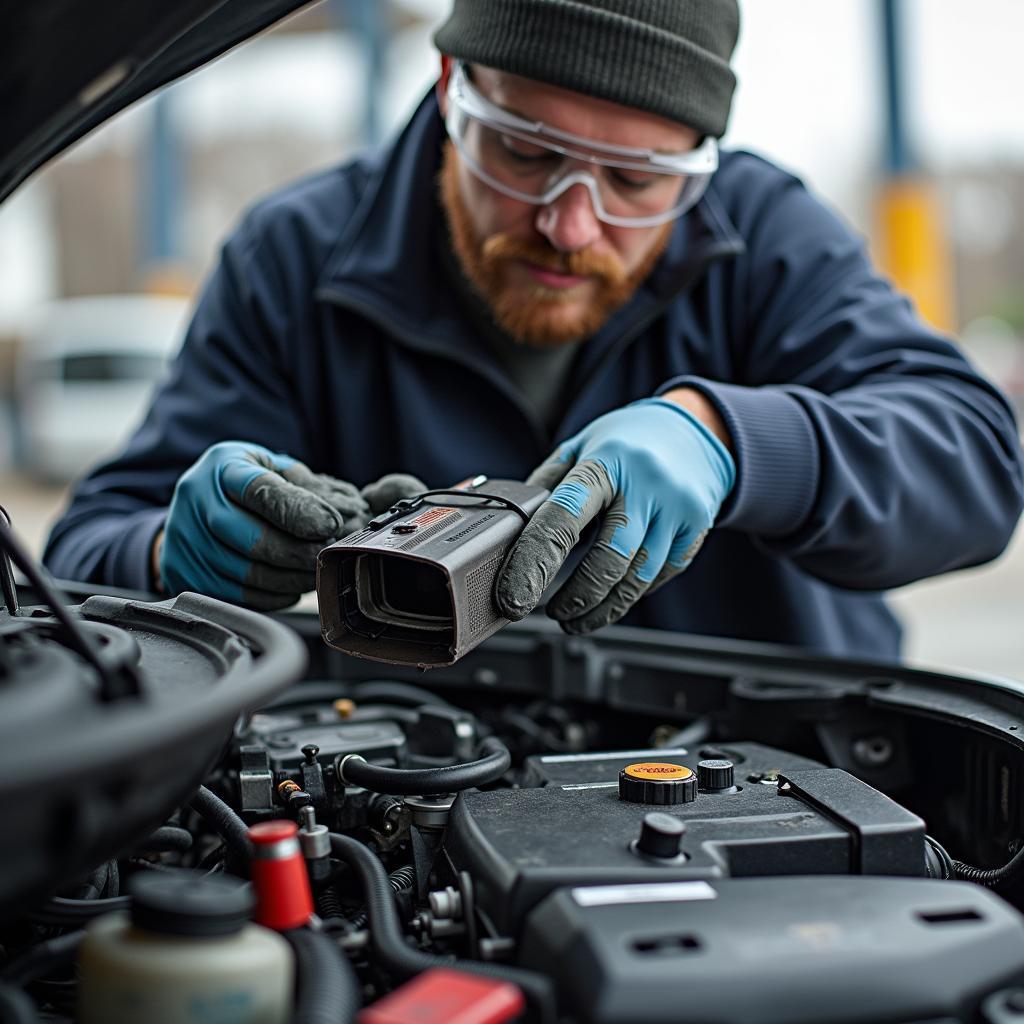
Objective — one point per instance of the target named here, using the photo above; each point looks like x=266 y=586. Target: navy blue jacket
x=869 y=452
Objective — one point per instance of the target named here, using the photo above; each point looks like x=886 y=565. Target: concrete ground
x=971 y=620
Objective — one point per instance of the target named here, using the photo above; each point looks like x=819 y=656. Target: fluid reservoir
x=185 y=954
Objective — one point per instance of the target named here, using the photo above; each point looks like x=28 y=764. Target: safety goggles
x=535 y=163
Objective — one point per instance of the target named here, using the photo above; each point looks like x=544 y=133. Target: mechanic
x=552 y=264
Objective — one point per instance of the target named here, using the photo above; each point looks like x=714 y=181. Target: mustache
x=500 y=248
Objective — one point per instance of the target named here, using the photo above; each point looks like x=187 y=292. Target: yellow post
x=911 y=246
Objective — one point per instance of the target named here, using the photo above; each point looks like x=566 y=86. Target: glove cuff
x=726 y=463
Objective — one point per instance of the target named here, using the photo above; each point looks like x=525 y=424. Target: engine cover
x=796 y=817
x=775 y=950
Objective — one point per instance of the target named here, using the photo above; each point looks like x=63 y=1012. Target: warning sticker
x=660 y=892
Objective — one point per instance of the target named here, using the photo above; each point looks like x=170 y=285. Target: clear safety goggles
x=535 y=163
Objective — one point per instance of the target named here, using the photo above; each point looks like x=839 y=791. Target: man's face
x=553 y=273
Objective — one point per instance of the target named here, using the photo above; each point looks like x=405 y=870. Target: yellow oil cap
x=657 y=782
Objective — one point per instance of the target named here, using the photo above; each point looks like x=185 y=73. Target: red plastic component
x=267 y=832
x=444 y=996
x=279 y=876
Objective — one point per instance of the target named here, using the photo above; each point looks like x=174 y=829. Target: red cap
x=279 y=876
x=268 y=832
x=444 y=996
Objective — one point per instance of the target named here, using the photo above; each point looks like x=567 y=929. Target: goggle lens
x=625 y=190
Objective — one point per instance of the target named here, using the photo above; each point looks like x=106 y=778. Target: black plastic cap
x=715 y=776
x=661 y=836
x=190 y=903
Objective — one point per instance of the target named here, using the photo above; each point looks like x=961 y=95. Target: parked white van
x=85 y=373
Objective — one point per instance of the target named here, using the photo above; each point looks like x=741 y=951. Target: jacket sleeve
x=869 y=451
x=228 y=382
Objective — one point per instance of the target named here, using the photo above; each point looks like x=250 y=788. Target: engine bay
x=627 y=827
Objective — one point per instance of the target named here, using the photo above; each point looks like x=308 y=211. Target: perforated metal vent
x=354 y=538
x=479 y=584
x=430 y=532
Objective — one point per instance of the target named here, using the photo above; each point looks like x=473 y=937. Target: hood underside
x=68 y=65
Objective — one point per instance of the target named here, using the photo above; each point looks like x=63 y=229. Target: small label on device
x=661 y=892
x=657 y=771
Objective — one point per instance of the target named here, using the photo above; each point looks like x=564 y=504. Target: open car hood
x=68 y=65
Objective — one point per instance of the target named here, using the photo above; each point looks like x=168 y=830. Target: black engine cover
x=519 y=845
x=776 y=950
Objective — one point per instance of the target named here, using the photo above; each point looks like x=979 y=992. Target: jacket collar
x=385 y=263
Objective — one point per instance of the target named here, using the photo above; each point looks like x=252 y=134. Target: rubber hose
x=937 y=861
x=328 y=991
x=328 y=904
x=60 y=911
x=229 y=826
x=94 y=887
x=402 y=961
x=690 y=735
x=8 y=587
x=166 y=839
x=113 y=886
x=16 y=1007
x=414 y=781
x=42 y=959
x=400 y=881
x=307 y=692
x=401 y=693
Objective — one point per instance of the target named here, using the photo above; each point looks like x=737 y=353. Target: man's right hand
x=245 y=524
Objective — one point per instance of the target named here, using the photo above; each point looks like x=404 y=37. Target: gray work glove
x=245 y=524
x=383 y=493
x=655 y=476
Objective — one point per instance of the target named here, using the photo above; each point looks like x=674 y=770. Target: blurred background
x=902 y=114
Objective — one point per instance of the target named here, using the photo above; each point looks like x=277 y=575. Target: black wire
x=500 y=499
x=414 y=781
x=43 y=958
x=44 y=587
x=7 y=584
x=16 y=1007
x=992 y=878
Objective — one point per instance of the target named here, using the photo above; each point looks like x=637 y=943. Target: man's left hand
x=657 y=473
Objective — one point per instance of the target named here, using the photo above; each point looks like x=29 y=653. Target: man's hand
x=246 y=524
x=657 y=474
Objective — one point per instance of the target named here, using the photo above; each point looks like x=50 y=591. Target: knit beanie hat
x=669 y=57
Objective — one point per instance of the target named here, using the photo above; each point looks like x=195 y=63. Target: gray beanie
x=669 y=57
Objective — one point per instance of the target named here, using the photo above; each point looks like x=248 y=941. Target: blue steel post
x=368 y=19
x=898 y=157
x=161 y=191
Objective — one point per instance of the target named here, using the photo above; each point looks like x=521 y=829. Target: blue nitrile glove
x=246 y=524
x=657 y=475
